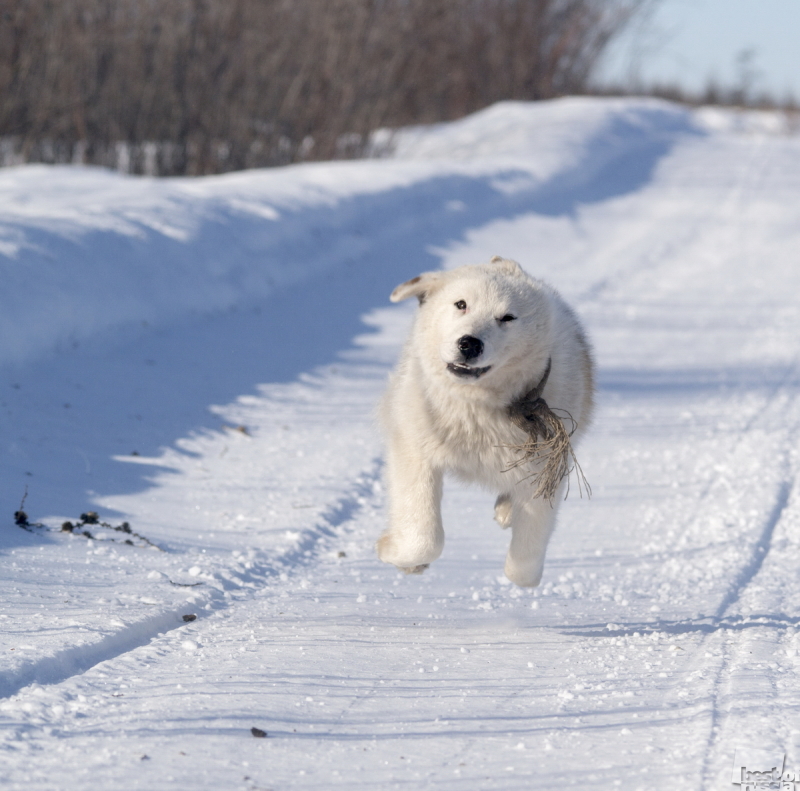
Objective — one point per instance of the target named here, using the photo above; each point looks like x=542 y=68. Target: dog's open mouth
x=460 y=369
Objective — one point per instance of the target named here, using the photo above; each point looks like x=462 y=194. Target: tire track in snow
x=724 y=693
x=727 y=641
x=741 y=189
x=723 y=638
x=76 y=660
x=364 y=487
x=761 y=548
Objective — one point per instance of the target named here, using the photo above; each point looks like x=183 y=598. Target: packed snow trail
x=665 y=633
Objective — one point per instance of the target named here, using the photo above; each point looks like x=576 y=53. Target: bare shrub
x=206 y=86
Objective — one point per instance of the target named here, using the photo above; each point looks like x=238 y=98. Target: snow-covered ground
x=201 y=358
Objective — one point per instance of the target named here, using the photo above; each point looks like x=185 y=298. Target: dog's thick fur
x=482 y=338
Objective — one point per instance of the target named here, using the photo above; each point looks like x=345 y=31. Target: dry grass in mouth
x=548 y=448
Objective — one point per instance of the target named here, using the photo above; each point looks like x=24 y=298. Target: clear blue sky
x=688 y=41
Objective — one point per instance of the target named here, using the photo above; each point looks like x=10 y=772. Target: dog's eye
x=461 y=305
x=507 y=317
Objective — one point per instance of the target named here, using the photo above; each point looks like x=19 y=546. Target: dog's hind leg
x=503 y=510
x=415 y=537
x=532 y=523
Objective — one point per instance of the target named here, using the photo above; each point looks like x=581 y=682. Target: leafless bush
x=205 y=86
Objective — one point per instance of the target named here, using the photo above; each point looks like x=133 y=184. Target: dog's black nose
x=470 y=347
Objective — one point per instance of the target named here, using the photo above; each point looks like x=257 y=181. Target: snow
x=202 y=358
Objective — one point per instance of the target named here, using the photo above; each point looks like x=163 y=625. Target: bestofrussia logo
x=759 y=770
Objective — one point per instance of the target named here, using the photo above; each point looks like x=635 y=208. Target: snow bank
x=83 y=250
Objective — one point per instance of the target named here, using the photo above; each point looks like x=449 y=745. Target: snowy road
x=665 y=634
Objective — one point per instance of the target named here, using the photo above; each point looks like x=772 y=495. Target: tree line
x=193 y=87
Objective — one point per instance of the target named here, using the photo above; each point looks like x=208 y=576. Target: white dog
x=484 y=337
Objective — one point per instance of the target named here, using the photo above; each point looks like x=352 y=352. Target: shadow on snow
x=137 y=389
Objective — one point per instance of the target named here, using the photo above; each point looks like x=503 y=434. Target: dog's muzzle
x=467 y=371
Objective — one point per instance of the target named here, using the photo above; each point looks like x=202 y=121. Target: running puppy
x=490 y=350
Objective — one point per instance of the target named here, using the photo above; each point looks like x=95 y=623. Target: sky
x=689 y=41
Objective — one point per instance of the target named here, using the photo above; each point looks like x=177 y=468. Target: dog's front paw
x=526 y=575
x=410 y=558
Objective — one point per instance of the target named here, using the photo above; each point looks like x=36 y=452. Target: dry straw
x=548 y=449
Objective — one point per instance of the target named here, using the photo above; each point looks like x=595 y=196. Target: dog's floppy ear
x=512 y=267
x=419 y=287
